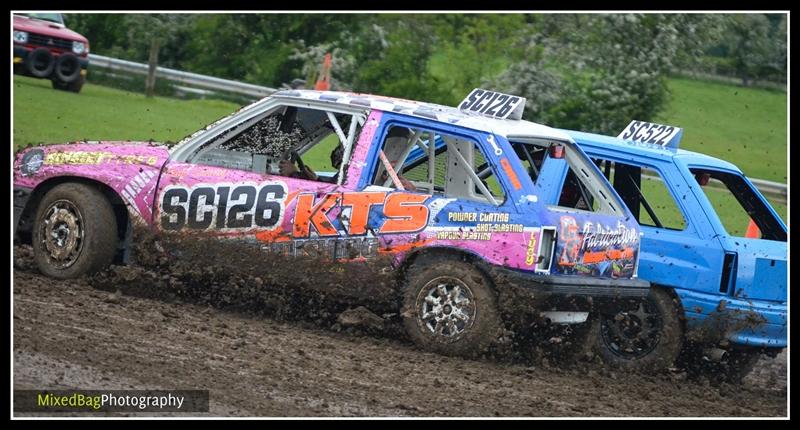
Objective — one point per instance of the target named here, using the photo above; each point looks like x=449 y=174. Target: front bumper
x=21 y=55
x=575 y=293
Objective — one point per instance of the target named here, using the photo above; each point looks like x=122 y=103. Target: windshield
x=52 y=17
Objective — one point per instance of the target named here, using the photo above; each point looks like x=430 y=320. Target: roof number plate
x=493 y=104
x=652 y=133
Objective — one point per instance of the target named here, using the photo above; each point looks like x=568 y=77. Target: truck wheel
x=646 y=339
x=74 y=232
x=450 y=307
x=67 y=68
x=74 y=87
x=40 y=63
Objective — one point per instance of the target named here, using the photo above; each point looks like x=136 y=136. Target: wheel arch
x=446 y=252
x=121 y=211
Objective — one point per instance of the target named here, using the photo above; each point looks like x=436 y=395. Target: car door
x=445 y=182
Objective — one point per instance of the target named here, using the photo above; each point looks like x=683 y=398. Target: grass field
x=712 y=115
x=746 y=126
x=44 y=115
x=733 y=216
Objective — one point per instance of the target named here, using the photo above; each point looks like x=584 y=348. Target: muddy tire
x=737 y=364
x=648 y=339
x=74 y=232
x=449 y=307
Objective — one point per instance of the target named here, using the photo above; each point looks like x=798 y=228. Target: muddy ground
x=289 y=355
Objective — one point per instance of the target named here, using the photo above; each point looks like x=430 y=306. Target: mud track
x=302 y=362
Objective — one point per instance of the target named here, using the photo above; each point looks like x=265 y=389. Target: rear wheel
x=75 y=231
x=450 y=307
x=646 y=339
x=67 y=68
x=736 y=364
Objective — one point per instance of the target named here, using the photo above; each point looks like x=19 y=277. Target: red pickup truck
x=45 y=48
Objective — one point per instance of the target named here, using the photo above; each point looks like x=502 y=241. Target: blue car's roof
x=652 y=151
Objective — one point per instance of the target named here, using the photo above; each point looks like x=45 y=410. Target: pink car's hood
x=96 y=159
x=130 y=169
x=118 y=148
x=47 y=28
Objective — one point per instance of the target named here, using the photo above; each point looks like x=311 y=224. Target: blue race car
x=716 y=296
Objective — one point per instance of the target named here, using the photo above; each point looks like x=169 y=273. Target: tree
x=155 y=30
x=384 y=54
x=472 y=48
x=107 y=33
x=749 y=45
x=598 y=72
x=261 y=48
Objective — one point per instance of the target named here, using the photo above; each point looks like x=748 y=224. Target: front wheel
x=450 y=307
x=74 y=232
x=648 y=338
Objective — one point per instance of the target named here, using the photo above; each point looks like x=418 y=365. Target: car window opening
x=426 y=160
x=277 y=141
x=730 y=193
x=584 y=189
x=644 y=201
x=643 y=187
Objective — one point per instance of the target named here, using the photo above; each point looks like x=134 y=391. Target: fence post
x=150 y=83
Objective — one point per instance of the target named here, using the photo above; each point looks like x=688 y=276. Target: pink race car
x=459 y=198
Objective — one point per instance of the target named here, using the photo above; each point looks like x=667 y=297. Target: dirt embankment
x=285 y=354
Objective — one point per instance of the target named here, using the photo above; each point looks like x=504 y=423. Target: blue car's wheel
x=732 y=367
x=648 y=338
